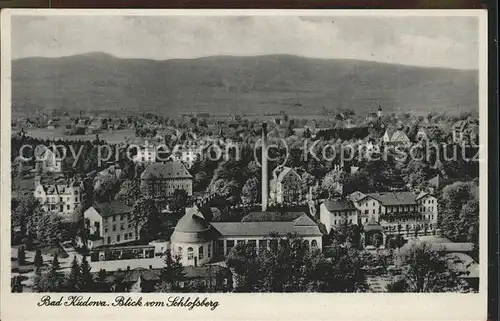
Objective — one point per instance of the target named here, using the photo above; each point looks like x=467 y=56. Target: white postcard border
x=256 y=306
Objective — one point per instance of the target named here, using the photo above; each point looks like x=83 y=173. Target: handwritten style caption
x=187 y=302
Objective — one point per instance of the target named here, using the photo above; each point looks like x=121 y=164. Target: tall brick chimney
x=265 y=182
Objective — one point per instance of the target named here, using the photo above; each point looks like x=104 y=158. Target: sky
x=451 y=42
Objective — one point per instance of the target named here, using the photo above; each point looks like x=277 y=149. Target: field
x=112 y=137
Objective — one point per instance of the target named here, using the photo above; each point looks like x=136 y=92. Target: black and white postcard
x=243 y=164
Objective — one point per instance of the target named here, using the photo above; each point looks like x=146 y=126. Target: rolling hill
x=225 y=84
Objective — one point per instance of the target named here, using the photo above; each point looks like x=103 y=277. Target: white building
x=109 y=223
x=197 y=241
x=398 y=211
x=186 y=155
x=145 y=154
x=61 y=197
x=286 y=186
x=333 y=213
x=427 y=206
x=47 y=161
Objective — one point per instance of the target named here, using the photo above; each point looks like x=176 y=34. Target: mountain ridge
x=236 y=84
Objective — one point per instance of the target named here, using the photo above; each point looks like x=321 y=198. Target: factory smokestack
x=265 y=191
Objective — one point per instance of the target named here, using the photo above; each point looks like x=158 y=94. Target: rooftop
x=165 y=170
x=339 y=205
x=272 y=216
x=394 y=198
x=302 y=226
x=112 y=208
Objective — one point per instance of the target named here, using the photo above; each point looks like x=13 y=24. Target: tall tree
x=53 y=280
x=38 y=261
x=17 y=285
x=25 y=209
x=86 y=283
x=101 y=285
x=172 y=273
x=129 y=191
x=146 y=218
x=73 y=281
x=179 y=200
x=38 y=281
x=21 y=256
x=246 y=267
x=459 y=212
x=250 y=191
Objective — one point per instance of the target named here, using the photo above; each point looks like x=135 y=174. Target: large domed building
x=192 y=238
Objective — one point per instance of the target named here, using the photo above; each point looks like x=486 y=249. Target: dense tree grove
x=425 y=269
x=289 y=265
x=459 y=212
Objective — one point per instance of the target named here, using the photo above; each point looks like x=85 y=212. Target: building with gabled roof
x=395 y=137
x=109 y=223
x=397 y=211
x=47 y=160
x=160 y=180
x=61 y=197
x=285 y=186
x=333 y=213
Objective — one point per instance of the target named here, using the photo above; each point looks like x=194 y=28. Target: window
x=373 y=211
x=122 y=227
x=209 y=252
x=130 y=234
x=68 y=207
x=125 y=236
x=200 y=252
x=190 y=253
x=366 y=211
x=109 y=239
x=220 y=247
x=114 y=228
x=121 y=217
x=241 y=242
x=252 y=243
x=229 y=246
x=314 y=244
x=114 y=218
x=118 y=238
x=106 y=230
